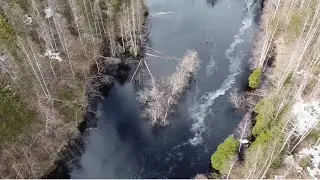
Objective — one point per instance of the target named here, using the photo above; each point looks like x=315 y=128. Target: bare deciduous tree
x=236 y=98
x=166 y=92
x=54 y=46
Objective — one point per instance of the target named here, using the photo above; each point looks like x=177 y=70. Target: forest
x=284 y=140
x=54 y=55
x=59 y=59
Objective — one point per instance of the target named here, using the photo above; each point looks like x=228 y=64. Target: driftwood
x=243 y=131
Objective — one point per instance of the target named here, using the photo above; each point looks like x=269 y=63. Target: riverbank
x=104 y=74
x=285 y=63
x=118 y=73
x=124 y=146
x=54 y=65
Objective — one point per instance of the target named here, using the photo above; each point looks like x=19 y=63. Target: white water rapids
x=200 y=109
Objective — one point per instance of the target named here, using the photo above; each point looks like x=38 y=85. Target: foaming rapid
x=199 y=111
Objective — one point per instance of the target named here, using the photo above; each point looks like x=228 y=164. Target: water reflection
x=212 y=2
x=124 y=146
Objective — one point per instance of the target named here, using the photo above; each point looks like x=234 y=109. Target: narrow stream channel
x=124 y=146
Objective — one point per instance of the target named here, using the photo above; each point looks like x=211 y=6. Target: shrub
x=288 y=79
x=225 y=152
x=67 y=94
x=255 y=78
x=269 y=116
x=24 y=4
x=69 y=104
x=265 y=110
x=305 y=161
x=15 y=116
x=116 y=4
x=6 y=30
x=262 y=122
x=314 y=135
x=261 y=140
x=278 y=161
x=295 y=25
x=310 y=86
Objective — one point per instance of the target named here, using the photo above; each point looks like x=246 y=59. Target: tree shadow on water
x=212 y=2
x=121 y=112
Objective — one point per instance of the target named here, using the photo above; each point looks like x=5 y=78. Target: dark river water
x=124 y=146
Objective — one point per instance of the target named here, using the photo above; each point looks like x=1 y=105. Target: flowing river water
x=124 y=146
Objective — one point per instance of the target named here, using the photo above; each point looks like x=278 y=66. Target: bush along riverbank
x=57 y=58
x=282 y=140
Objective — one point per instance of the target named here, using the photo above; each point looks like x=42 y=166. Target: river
x=124 y=146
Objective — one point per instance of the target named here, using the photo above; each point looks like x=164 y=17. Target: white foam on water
x=211 y=67
x=249 y=4
x=199 y=111
x=162 y=13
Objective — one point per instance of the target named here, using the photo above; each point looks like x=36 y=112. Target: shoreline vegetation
x=55 y=57
x=58 y=57
x=279 y=134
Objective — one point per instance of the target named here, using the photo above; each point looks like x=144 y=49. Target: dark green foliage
x=288 y=79
x=305 y=161
x=266 y=110
x=15 y=116
x=24 y=4
x=68 y=105
x=295 y=26
x=66 y=94
x=8 y=38
x=255 y=78
x=262 y=122
x=261 y=140
x=215 y=176
x=6 y=30
x=225 y=152
x=310 y=86
x=116 y=5
x=269 y=122
x=268 y=134
x=314 y=135
x=278 y=161
x=269 y=115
